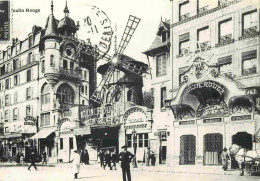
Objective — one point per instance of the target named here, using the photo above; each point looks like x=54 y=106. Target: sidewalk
x=13 y=164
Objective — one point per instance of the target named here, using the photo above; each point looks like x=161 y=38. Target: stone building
x=212 y=96
x=43 y=81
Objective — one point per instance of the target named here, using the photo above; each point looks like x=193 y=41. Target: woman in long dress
x=76 y=163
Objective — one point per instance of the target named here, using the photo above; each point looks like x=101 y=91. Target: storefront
x=210 y=112
x=138 y=129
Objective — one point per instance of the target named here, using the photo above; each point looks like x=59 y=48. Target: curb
x=24 y=165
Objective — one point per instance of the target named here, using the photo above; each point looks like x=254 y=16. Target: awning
x=43 y=134
x=82 y=131
x=11 y=136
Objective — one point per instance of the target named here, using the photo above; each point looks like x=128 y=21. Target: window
x=203 y=37
x=249 y=23
x=61 y=143
x=71 y=143
x=15 y=64
x=45 y=94
x=43 y=66
x=52 y=63
x=15 y=113
x=249 y=62
x=129 y=140
x=45 y=119
x=6 y=115
x=225 y=65
x=163 y=96
x=65 y=64
x=7 y=100
x=71 y=65
x=65 y=96
x=86 y=89
x=30 y=41
x=184 y=11
x=6 y=129
x=85 y=74
x=184 y=43
x=164 y=36
x=28 y=110
x=28 y=93
x=82 y=89
x=7 y=83
x=130 y=95
x=16 y=80
x=9 y=67
x=29 y=78
x=161 y=65
x=203 y=5
x=225 y=30
x=140 y=140
x=146 y=139
x=83 y=102
x=29 y=59
x=15 y=97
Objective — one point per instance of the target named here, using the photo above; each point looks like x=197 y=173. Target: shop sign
x=66 y=132
x=187 y=122
x=206 y=84
x=239 y=118
x=212 y=120
x=107 y=111
x=135 y=118
x=106 y=121
x=160 y=133
x=29 y=120
x=61 y=121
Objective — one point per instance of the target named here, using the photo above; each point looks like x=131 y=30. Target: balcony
x=249 y=71
x=203 y=9
x=250 y=33
x=184 y=17
x=224 y=40
x=203 y=46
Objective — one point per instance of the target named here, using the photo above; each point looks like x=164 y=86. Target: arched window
x=65 y=96
x=45 y=94
x=109 y=97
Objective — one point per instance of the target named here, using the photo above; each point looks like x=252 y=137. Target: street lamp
x=135 y=147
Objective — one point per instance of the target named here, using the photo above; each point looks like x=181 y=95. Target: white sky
x=118 y=11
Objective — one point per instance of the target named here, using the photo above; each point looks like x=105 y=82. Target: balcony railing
x=203 y=46
x=250 y=33
x=203 y=9
x=227 y=74
x=183 y=52
x=249 y=71
x=185 y=16
x=65 y=72
x=224 y=40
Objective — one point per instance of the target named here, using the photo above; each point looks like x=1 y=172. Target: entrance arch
x=213 y=145
x=187 y=149
x=243 y=139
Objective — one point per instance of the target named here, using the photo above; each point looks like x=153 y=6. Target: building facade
x=213 y=91
x=43 y=82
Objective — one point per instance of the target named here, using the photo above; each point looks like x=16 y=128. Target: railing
x=227 y=74
x=225 y=38
x=185 y=16
x=203 y=9
x=249 y=71
x=249 y=33
x=183 y=51
x=65 y=72
x=203 y=46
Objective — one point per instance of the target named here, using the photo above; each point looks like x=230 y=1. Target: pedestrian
x=225 y=158
x=108 y=160
x=147 y=157
x=33 y=160
x=101 y=157
x=86 y=157
x=18 y=157
x=21 y=158
x=76 y=163
x=44 y=160
x=114 y=159
x=126 y=157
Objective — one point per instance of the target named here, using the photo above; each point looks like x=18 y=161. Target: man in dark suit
x=33 y=160
x=126 y=158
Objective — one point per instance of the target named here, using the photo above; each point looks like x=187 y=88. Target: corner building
x=43 y=81
x=213 y=90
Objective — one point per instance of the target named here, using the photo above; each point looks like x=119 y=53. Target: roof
x=157 y=43
x=51 y=27
x=66 y=21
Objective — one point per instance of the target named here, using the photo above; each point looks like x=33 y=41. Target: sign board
x=136 y=118
x=82 y=131
x=29 y=120
x=212 y=120
x=105 y=121
x=239 y=118
x=153 y=144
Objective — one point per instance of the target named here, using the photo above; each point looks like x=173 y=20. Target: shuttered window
x=249 y=62
x=161 y=65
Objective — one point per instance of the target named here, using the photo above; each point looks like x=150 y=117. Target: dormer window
x=164 y=36
x=30 y=41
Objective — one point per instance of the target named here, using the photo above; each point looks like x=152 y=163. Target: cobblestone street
x=95 y=173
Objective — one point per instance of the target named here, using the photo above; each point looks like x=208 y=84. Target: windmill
x=116 y=61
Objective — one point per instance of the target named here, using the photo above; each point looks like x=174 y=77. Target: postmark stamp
x=5 y=21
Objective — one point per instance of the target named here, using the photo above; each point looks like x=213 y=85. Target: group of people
x=225 y=156
x=106 y=158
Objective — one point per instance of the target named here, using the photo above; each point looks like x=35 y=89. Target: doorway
x=213 y=145
x=187 y=149
x=243 y=139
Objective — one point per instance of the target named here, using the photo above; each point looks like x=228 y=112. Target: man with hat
x=224 y=158
x=33 y=160
x=126 y=158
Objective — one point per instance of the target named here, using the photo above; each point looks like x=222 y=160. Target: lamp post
x=135 y=147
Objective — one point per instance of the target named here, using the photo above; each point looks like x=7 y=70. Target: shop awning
x=10 y=136
x=82 y=131
x=43 y=134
